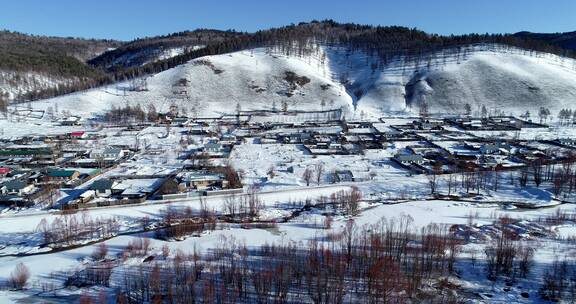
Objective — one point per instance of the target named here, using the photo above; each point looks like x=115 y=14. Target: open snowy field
x=308 y=226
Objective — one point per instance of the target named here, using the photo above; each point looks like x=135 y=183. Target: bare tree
x=328 y=222
x=536 y=167
x=3 y=105
x=467 y=109
x=349 y=200
x=523 y=179
x=526 y=115
x=231 y=205
x=319 y=168
x=484 y=112
x=451 y=183
x=501 y=255
x=543 y=113
x=433 y=177
x=254 y=203
x=231 y=175
x=307 y=176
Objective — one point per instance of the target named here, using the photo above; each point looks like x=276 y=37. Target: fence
x=181 y=195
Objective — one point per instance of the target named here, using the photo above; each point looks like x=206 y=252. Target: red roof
x=77 y=134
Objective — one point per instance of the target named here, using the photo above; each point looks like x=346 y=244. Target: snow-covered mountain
x=211 y=85
x=365 y=70
x=32 y=64
x=32 y=67
x=502 y=79
x=147 y=50
x=148 y=55
x=505 y=80
x=17 y=83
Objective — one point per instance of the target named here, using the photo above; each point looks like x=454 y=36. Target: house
x=391 y=134
x=139 y=188
x=435 y=122
x=362 y=131
x=180 y=121
x=17 y=187
x=295 y=138
x=71 y=121
x=472 y=124
x=496 y=148
x=213 y=147
x=489 y=149
x=196 y=128
x=87 y=196
x=78 y=135
x=341 y=176
x=4 y=171
x=62 y=174
x=36 y=152
x=108 y=154
x=489 y=161
x=102 y=187
x=202 y=180
x=228 y=139
x=408 y=159
x=33 y=177
x=327 y=149
x=567 y=142
x=124 y=146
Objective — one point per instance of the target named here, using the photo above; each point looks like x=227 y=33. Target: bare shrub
x=137 y=247
x=100 y=251
x=328 y=222
x=165 y=251
x=19 y=276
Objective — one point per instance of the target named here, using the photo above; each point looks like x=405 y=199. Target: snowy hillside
x=511 y=82
x=13 y=84
x=33 y=64
x=215 y=84
x=148 y=55
x=501 y=79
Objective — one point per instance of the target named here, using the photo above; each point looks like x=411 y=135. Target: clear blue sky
x=129 y=19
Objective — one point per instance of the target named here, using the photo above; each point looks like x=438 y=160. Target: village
x=106 y=193
x=96 y=163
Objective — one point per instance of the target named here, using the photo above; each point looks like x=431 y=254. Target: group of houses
x=34 y=167
x=447 y=146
